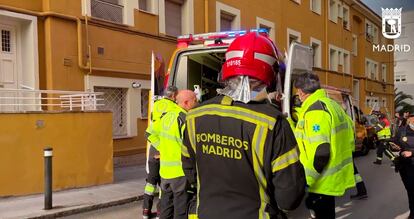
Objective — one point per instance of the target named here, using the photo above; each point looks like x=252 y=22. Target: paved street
x=387 y=198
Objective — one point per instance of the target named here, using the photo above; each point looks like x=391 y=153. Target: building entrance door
x=8 y=68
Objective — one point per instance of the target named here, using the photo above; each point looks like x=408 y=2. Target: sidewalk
x=128 y=186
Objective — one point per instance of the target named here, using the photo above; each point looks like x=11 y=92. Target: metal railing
x=20 y=100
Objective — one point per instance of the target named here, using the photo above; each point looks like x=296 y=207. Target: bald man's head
x=186 y=99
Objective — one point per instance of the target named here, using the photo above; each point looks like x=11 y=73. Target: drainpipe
x=89 y=54
x=206 y=16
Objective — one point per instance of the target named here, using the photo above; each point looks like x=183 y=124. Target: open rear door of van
x=157 y=87
x=299 y=60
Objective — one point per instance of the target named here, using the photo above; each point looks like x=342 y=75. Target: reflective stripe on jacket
x=244 y=159
x=328 y=125
x=166 y=137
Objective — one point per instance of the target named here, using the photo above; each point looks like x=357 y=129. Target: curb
x=84 y=209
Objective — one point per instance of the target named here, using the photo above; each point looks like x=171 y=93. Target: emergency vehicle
x=197 y=61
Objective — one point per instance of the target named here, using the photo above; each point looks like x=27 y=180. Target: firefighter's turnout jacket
x=245 y=158
x=326 y=141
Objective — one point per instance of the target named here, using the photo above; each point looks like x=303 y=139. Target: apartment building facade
x=106 y=46
x=404 y=61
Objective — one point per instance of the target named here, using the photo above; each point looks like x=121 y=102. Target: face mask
x=411 y=126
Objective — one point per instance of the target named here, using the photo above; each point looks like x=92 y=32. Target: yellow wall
x=82 y=150
x=128 y=48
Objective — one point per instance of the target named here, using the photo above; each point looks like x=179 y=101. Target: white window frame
x=348 y=26
x=127 y=13
x=399 y=77
x=373 y=31
x=346 y=67
x=187 y=19
x=318 y=10
x=338 y=56
x=319 y=53
x=133 y=97
x=368 y=101
x=293 y=33
x=262 y=21
x=371 y=66
x=384 y=102
x=384 y=72
x=354 y=45
x=340 y=12
x=220 y=7
x=333 y=15
x=151 y=6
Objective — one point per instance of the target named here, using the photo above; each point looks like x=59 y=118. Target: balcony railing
x=21 y=100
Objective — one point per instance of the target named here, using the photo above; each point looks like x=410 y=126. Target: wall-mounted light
x=371 y=94
x=136 y=84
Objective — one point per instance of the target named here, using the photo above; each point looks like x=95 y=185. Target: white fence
x=21 y=100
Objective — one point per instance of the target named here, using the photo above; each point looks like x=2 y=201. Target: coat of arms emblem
x=391 y=22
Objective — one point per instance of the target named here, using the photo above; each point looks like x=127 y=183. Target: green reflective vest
x=329 y=125
x=160 y=107
x=166 y=137
x=384 y=133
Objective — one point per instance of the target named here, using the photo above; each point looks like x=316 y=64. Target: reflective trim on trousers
x=358 y=178
x=149 y=189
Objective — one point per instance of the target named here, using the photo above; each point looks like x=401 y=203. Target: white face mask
x=411 y=126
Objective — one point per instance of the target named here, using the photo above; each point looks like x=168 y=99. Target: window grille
x=109 y=10
x=115 y=100
x=5 y=41
x=144 y=103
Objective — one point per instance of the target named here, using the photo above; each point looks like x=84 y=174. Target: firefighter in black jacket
x=238 y=150
x=405 y=165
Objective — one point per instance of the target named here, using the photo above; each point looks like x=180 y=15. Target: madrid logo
x=391 y=29
x=391 y=22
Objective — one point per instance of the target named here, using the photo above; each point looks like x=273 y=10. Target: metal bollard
x=47 y=154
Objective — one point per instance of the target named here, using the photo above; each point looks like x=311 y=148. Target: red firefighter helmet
x=252 y=55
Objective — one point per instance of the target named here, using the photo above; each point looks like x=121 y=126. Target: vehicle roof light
x=185 y=40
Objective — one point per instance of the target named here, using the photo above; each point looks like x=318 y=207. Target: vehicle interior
x=204 y=70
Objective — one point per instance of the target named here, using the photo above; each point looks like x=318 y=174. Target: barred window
x=5 y=41
x=110 y=10
x=144 y=103
x=115 y=101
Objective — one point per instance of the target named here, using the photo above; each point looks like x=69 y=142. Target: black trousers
x=383 y=146
x=153 y=179
x=174 y=198
x=322 y=205
x=360 y=185
x=407 y=176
